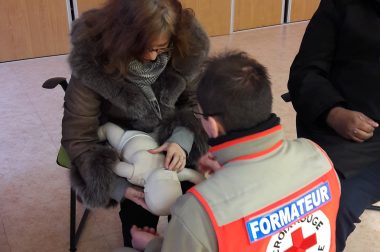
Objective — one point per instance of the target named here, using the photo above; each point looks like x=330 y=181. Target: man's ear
x=215 y=128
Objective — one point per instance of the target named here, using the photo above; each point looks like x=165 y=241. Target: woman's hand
x=175 y=159
x=136 y=194
x=142 y=236
x=351 y=124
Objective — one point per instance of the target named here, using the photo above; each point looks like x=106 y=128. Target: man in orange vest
x=269 y=194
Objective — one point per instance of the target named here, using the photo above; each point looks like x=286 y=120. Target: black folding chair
x=63 y=160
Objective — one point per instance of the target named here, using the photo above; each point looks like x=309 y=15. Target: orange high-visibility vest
x=303 y=220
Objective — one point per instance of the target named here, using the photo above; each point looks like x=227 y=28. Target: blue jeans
x=358 y=193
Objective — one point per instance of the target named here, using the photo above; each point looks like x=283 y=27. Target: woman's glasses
x=160 y=50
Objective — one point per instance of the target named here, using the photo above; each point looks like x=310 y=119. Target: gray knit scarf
x=143 y=75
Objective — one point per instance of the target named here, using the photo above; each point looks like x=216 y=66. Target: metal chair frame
x=75 y=233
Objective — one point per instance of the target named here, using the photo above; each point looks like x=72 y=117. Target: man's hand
x=207 y=164
x=136 y=194
x=175 y=159
x=351 y=124
x=142 y=236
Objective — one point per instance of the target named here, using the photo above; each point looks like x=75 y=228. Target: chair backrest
x=62 y=157
x=53 y=82
x=286 y=97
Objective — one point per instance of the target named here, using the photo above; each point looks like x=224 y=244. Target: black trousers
x=133 y=214
x=358 y=166
x=358 y=193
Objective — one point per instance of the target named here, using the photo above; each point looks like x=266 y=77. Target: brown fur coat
x=94 y=97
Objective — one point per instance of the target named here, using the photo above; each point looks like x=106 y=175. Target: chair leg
x=72 y=220
x=75 y=234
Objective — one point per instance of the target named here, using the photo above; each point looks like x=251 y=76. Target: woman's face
x=159 y=45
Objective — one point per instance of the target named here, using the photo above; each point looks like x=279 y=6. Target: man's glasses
x=200 y=115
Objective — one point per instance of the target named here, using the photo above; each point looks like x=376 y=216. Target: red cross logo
x=300 y=244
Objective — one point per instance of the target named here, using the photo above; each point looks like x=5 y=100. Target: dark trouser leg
x=186 y=185
x=132 y=214
x=358 y=193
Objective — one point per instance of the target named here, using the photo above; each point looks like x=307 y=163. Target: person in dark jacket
x=334 y=86
x=134 y=63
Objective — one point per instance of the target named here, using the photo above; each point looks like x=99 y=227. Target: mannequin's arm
x=112 y=133
x=124 y=169
x=190 y=175
x=130 y=172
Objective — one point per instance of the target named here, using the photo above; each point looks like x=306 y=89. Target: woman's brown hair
x=123 y=29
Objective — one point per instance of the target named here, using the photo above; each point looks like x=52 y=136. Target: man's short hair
x=236 y=89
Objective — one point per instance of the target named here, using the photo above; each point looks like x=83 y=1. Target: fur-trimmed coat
x=94 y=97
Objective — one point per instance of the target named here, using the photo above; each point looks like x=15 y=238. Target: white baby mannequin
x=161 y=187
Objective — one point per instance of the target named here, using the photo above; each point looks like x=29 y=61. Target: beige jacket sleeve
x=189 y=230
